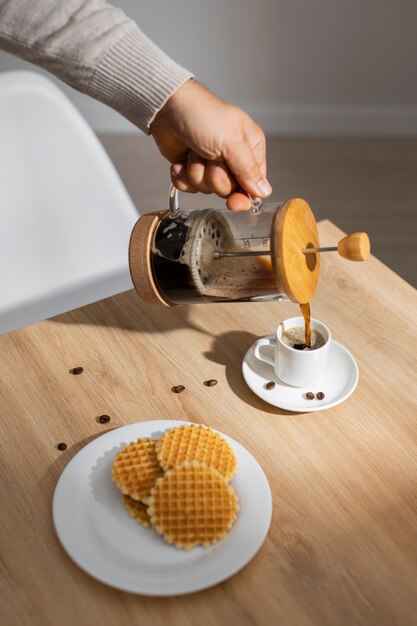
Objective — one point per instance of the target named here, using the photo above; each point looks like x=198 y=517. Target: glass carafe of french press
x=270 y=252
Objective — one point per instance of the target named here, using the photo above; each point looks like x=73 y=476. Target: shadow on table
x=229 y=349
x=53 y=472
x=127 y=312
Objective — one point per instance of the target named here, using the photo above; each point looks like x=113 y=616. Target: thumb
x=242 y=162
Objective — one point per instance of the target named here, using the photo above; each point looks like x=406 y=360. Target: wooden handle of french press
x=355 y=247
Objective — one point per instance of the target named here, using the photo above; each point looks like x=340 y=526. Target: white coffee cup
x=298 y=368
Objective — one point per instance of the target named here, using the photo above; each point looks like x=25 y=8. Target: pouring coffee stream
x=354 y=247
x=271 y=252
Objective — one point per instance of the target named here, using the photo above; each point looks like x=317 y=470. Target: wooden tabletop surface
x=342 y=547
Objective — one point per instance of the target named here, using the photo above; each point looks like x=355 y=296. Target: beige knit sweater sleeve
x=96 y=49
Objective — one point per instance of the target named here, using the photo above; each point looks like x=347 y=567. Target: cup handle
x=264 y=341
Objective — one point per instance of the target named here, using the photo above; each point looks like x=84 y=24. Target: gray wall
x=297 y=66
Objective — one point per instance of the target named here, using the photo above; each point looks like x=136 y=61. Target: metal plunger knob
x=354 y=247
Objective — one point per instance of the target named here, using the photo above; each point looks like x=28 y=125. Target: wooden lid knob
x=355 y=247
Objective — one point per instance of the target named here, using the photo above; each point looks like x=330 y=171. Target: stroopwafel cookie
x=136 y=468
x=196 y=443
x=137 y=510
x=192 y=505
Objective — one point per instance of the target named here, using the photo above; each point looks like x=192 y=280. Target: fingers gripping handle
x=174 y=203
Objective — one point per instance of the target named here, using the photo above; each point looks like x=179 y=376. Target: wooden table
x=342 y=548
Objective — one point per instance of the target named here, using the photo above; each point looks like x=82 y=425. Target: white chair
x=65 y=216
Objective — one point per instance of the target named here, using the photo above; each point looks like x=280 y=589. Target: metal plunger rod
x=355 y=247
x=311 y=250
x=220 y=255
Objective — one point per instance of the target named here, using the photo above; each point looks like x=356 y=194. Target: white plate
x=338 y=384
x=98 y=534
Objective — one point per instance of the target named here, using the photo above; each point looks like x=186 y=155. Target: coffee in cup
x=295 y=338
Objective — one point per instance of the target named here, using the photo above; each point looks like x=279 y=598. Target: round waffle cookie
x=137 y=510
x=136 y=468
x=192 y=505
x=196 y=443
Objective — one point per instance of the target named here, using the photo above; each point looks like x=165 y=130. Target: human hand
x=214 y=147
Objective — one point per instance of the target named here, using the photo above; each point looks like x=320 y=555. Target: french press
x=270 y=252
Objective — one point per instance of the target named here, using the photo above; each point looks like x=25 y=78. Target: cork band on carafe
x=140 y=258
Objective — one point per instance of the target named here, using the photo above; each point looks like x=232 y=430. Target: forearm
x=95 y=48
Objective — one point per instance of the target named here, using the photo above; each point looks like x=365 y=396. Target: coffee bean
x=299 y=346
x=270 y=385
x=320 y=395
x=76 y=370
x=211 y=382
x=103 y=419
x=178 y=388
x=62 y=446
x=310 y=395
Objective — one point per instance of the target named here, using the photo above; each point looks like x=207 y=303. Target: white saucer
x=339 y=383
x=98 y=534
